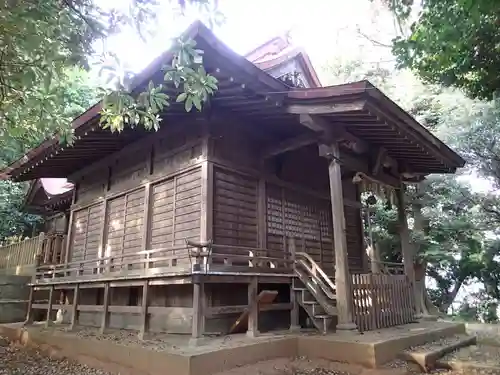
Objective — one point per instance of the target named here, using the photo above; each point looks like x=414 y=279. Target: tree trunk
x=424 y=303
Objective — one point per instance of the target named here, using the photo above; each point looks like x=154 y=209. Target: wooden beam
x=262 y=214
x=294 y=312
x=291 y=144
x=49 y=306
x=197 y=326
x=105 y=312
x=358 y=164
x=377 y=166
x=333 y=132
x=253 y=315
x=144 y=310
x=75 y=312
x=404 y=236
x=148 y=202
x=29 y=313
x=326 y=108
x=342 y=274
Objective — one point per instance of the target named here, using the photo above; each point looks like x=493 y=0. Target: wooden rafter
x=326 y=108
x=292 y=144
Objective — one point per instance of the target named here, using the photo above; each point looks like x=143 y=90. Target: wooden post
x=29 y=313
x=102 y=236
x=375 y=259
x=261 y=212
x=253 y=315
x=39 y=247
x=294 y=312
x=49 y=308
x=74 y=315
x=342 y=275
x=148 y=202
x=404 y=236
x=197 y=327
x=144 y=310
x=70 y=229
x=105 y=312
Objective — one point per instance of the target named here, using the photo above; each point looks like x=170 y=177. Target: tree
x=41 y=40
x=448 y=221
x=69 y=96
x=452 y=43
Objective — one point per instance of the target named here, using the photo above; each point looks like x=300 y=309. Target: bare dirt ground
x=16 y=360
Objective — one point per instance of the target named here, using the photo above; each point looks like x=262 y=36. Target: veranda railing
x=20 y=258
x=382 y=300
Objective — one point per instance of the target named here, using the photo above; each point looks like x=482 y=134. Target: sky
x=323 y=27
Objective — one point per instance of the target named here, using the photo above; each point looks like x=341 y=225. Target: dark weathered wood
x=74 y=313
x=294 y=312
x=253 y=303
x=105 y=310
x=104 y=222
x=29 y=312
x=48 y=320
x=404 y=236
x=146 y=221
x=224 y=310
x=321 y=109
x=197 y=328
x=144 y=310
x=291 y=144
x=342 y=275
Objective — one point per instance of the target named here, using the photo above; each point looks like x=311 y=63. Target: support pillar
x=74 y=313
x=294 y=312
x=406 y=247
x=48 y=320
x=343 y=280
x=29 y=313
x=105 y=310
x=253 y=305
x=198 y=324
x=144 y=310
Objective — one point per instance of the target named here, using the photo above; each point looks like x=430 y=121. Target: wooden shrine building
x=256 y=198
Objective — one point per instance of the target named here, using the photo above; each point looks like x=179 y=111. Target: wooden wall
x=115 y=212
x=296 y=202
x=151 y=196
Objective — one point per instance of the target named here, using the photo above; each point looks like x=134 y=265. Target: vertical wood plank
x=405 y=239
x=253 y=314
x=342 y=275
x=102 y=240
x=146 y=221
x=70 y=228
x=48 y=320
x=144 y=310
x=197 y=326
x=294 y=312
x=262 y=212
x=105 y=311
x=29 y=312
x=74 y=313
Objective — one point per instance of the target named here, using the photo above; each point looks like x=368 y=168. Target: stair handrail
x=314 y=270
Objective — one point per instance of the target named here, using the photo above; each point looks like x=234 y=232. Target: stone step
x=428 y=355
x=473 y=359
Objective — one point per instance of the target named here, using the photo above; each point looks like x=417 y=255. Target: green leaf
x=188 y=104
x=181 y=97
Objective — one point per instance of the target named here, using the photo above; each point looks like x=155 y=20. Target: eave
x=362 y=110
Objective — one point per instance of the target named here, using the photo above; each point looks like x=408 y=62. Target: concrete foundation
x=14 y=294
x=371 y=349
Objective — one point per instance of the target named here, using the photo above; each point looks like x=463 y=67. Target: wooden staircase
x=314 y=292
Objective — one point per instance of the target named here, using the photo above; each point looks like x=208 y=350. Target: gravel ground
x=15 y=360
x=437 y=344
